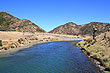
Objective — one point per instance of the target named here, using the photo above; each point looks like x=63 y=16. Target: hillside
x=11 y=23
x=98 y=51
x=85 y=29
x=68 y=28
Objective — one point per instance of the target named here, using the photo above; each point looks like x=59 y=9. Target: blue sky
x=49 y=14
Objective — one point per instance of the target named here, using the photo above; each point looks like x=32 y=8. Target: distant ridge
x=85 y=29
x=11 y=23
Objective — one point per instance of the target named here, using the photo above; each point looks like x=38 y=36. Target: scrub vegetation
x=98 y=50
x=0 y=42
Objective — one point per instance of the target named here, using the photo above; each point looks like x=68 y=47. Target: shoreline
x=92 y=60
x=9 y=51
x=12 y=50
x=95 y=61
x=14 y=41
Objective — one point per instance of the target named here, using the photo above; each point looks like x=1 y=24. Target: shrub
x=39 y=30
x=36 y=38
x=0 y=42
x=1 y=20
x=20 y=40
x=12 y=46
x=4 y=28
x=33 y=32
x=5 y=48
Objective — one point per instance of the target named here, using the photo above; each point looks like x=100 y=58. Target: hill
x=85 y=29
x=68 y=28
x=98 y=51
x=11 y=23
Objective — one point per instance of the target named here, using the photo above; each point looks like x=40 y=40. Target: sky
x=49 y=14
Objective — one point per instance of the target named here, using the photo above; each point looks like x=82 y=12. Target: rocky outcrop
x=11 y=23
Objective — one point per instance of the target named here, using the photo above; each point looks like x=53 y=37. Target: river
x=53 y=57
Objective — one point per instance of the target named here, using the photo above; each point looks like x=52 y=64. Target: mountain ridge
x=71 y=28
x=11 y=23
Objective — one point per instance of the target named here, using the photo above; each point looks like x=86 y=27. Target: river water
x=53 y=57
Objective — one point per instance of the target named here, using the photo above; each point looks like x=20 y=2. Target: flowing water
x=53 y=57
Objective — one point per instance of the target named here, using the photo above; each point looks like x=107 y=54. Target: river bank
x=12 y=50
x=4 y=52
x=98 y=51
x=14 y=41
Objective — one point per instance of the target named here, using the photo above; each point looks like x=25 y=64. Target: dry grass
x=12 y=39
x=99 y=50
x=10 y=35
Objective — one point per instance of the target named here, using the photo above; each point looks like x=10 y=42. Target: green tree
x=0 y=42
x=94 y=32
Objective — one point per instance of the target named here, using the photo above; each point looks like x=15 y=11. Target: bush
x=4 y=28
x=1 y=20
x=0 y=42
x=20 y=40
x=5 y=48
x=39 y=30
x=36 y=38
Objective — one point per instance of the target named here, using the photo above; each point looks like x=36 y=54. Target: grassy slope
x=11 y=23
x=99 y=50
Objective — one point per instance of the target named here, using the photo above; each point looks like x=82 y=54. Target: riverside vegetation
x=98 y=51
x=0 y=42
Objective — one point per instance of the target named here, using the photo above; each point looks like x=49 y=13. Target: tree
x=94 y=32
x=0 y=42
